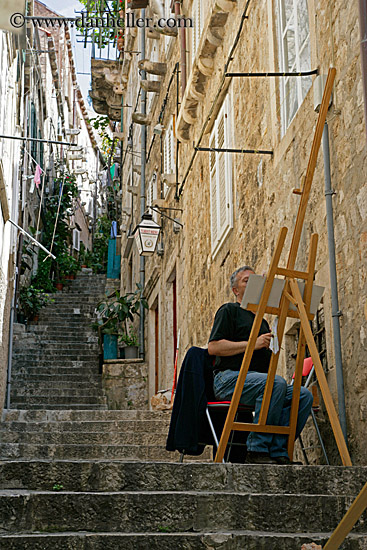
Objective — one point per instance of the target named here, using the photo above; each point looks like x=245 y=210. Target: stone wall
x=262 y=193
x=125 y=384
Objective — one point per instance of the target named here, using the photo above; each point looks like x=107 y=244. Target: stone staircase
x=74 y=476
x=55 y=363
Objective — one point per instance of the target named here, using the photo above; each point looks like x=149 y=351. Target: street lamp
x=146 y=235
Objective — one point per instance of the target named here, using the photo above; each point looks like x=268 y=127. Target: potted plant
x=68 y=266
x=131 y=342
x=114 y=313
x=31 y=300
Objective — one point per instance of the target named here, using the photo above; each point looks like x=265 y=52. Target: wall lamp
x=147 y=232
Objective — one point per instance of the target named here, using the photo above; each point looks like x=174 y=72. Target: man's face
x=241 y=282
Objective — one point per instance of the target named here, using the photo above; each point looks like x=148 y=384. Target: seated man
x=228 y=341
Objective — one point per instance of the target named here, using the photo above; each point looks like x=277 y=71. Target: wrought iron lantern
x=146 y=235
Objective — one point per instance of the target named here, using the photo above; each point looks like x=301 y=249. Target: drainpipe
x=336 y=313
x=183 y=47
x=142 y=183
x=363 y=31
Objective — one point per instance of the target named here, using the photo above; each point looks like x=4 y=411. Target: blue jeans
x=279 y=409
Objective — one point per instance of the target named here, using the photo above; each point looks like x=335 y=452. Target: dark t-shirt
x=234 y=323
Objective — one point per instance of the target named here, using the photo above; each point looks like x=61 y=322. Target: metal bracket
x=337 y=314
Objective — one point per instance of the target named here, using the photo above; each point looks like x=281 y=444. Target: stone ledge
x=203 y=67
x=121 y=361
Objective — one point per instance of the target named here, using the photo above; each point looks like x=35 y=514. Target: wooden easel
x=291 y=293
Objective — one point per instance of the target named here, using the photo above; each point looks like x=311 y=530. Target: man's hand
x=226 y=348
x=263 y=341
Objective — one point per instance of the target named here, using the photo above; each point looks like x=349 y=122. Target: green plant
x=100 y=244
x=58 y=487
x=130 y=339
x=103 y=35
x=114 y=313
x=68 y=265
x=58 y=205
x=31 y=300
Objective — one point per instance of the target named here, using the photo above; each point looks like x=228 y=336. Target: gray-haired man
x=228 y=341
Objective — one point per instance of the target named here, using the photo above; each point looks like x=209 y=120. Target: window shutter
x=213 y=191
x=76 y=239
x=197 y=16
x=221 y=202
x=228 y=164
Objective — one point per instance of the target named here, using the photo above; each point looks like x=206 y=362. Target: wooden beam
x=276 y=311
x=243 y=427
x=311 y=168
x=348 y=521
x=330 y=407
x=292 y=273
x=307 y=294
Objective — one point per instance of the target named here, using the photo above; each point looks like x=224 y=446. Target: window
x=294 y=55
x=198 y=24
x=168 y=149
x=168 y=153
x=221 y=204
x=76 y=239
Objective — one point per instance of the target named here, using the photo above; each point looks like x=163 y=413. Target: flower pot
x=131 y=352
x=69 y=277
x=110 y=346
x=35 y=318
x=59 y=286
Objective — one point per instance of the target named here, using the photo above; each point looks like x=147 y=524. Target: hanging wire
x=57 y=216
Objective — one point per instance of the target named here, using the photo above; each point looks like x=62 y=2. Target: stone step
x=65 y=320
x=48 y=346
x=103 y=475
x=70 y=336
x=201 y=540
x=50 y=394
x=82 y=415
x=115 y=437
x=57 y=406
x=49 y=384
x=56 y=375
x=87 y=452
x=71 y=365
x=93 y=426
x=58 y=357
x=57 y=399
x=175 y=511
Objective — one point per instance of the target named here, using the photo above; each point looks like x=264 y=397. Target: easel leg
x=334 y=420
x=296 y=393
x=348 y=521
x=301 y=346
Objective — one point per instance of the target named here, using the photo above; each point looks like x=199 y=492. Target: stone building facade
x=40 y=99
x=232 y=206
